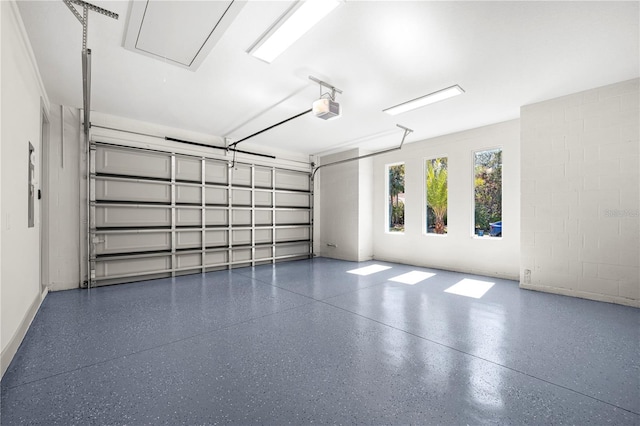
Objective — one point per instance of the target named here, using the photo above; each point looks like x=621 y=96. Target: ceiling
x=380 y=53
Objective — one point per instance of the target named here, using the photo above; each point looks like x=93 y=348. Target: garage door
x=155 y=214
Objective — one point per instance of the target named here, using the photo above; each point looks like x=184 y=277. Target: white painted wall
x=580 y=194
x=339 y=193
x=64 y=195
x=22 y=92
x=365 y=207
x=343 y=208
x=459 y=250
x=2 y=345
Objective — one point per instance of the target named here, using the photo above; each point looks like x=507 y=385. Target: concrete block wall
x=580 y=194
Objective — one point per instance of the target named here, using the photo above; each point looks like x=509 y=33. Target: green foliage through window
x=396 y=198
x=437 y=195
x=488 y=192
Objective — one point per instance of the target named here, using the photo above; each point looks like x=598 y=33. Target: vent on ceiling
x=179 y=32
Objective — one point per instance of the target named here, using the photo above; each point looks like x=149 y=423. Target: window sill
x=486 y=237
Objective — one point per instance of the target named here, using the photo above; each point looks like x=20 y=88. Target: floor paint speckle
x=308 y=342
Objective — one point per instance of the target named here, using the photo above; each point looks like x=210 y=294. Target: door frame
x=45 y=133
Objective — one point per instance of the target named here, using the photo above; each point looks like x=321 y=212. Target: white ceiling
x=380 y=53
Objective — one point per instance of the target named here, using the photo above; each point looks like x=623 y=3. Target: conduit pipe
x=407 y=131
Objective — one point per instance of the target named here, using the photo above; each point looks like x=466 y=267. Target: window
x=488 y=193
x=395 y=195
x=436 y=195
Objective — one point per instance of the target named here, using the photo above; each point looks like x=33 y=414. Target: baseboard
x=338 y=256
x=583 y=295
x=10 y=351
x=452 y=268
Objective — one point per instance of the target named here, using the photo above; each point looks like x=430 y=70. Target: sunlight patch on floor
x=470 y=288
x=412 y=278
x=368 y=270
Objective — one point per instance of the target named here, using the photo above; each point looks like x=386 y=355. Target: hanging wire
x=330 y=95
x=233 y=163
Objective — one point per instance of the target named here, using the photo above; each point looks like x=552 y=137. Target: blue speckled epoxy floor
x=306 y=342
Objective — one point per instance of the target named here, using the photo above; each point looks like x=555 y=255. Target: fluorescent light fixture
x=290 y=27
x=368 y=270
x=412 y=278
x=470 y=288
x=431 y=98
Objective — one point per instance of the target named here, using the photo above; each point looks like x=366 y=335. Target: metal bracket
x=322 y=84
x=92 y=8
x=86 y=53
x=84 y=18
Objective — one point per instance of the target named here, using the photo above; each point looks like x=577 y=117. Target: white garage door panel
x=216 y=258
x=240 y=237
x=301 y=249
x=263 y=177
x=241 y=217
x=133 y=242
x=216 y=172
x=132 y=216
x=241 y=197
x=241 y=175
x=216 y=238
x=115 y=190
x=264 y=236
x=263 y=253
x=292 y=199
x=216 y=217
x=188 y=239
x=263 y=217
x=286 y=179
x=240 y=255
x=118 y=267
x=189 y=260
x=215 y=196
x=131 y=162
x=292 y=234
x=188 y=194
x=148 y=216
x=263 y=199
x=189 y=169
x=188 y=217
x=289 y=217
